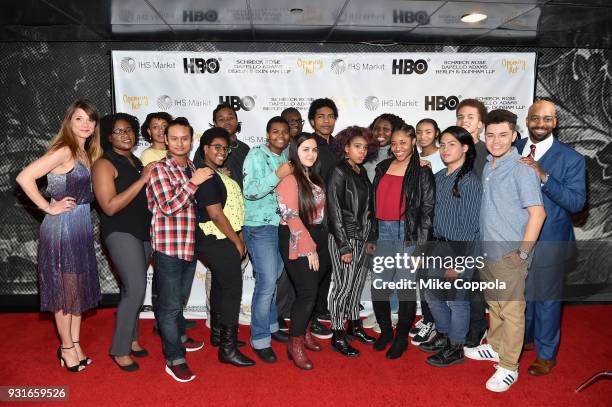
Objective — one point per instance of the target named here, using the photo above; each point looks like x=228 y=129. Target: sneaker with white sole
x=180 y=373
x=502 y=379
x=482 y=352
x=191 y=345
x=414 y=331
x=426 y=333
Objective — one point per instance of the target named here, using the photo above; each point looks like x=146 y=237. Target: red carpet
x=29 y=345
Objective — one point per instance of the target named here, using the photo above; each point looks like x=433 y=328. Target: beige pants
x=506 y=310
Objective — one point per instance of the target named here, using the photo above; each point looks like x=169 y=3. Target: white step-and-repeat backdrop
x=260 y=85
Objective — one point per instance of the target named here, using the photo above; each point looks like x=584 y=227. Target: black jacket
x=418 y=221
x=350 y=205
x=326 y=157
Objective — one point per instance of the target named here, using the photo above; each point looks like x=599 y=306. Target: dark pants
x=285 y=295
x=305 y=281
x=171 y=276
x=321 y=306
x=478 y=306
x=223 y=260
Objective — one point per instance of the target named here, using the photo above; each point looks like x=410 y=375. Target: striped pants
x=347 y=282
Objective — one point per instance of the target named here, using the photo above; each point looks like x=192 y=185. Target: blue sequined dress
x=68 y=275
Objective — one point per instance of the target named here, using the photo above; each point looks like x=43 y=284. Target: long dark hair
x=307 y=204
x=411 y=177
x=465 y=139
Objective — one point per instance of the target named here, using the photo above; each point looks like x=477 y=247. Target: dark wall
x=39 y=80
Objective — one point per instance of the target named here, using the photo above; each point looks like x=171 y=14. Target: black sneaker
x=475 y=339
x=282 y=325
x=318 y=330
x=451 y=355
x=426 y=334
x=324 y=316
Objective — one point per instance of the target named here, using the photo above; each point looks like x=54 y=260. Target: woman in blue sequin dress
x=68 y=277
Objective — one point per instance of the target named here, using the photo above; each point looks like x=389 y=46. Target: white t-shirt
x=436 y=161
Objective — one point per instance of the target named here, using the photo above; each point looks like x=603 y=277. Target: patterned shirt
x=170 y=200
x=301 y=243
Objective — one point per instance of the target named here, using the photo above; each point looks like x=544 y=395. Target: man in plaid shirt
x=173 y=183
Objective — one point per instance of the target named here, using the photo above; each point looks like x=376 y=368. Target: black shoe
x=228 y=351
x=439 y=342
x=341 y=344
x=318 y=330
x=215 y=331
x=266 y=355
x=398 y=347
x=450 y=355
x=127 y=368
x=324 y=316
x=356 y=331
x=190 y=324
x=282 y=325
x=383 y=340
x=475 y=338
x=139 y=353
x=280 y=336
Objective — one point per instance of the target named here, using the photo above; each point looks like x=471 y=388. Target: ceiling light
x=473 y=17
x=296 y=10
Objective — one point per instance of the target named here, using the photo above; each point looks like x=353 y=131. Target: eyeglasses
x=218 y=148
x=296 y=122
x=127 y=130
x=546 y=119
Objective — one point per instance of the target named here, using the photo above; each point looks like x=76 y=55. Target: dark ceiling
x=525 y=23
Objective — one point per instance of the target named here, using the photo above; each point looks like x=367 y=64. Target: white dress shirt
x=541 y=147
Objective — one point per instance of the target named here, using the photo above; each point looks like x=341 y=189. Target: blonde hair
x=65 y=137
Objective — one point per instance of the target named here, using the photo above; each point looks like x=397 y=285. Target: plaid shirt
x=170 y=200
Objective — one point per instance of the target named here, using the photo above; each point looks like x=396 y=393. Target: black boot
x=398 y=347
x=450 y=355
x=356 y=331
x=382 y=311
x=215 y=330
x=439 y=342
x=228 y=351
x=342 y=345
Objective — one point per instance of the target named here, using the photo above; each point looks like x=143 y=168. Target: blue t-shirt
x=508 y=189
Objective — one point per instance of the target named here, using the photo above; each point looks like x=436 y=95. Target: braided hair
x=411 y=176
x=465 y=138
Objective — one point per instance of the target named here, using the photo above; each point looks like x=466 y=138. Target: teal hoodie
x=259 y=186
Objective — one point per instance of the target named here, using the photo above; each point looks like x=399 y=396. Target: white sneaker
x=376 y=328
x=394 y=319
x=414 y=331
x=502 y=379
x=369 y=322
x=482 y=352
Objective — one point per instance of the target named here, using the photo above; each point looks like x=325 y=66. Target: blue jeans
x=262 y=244
x=392 y=231
x=450 y=308
x=171 y=276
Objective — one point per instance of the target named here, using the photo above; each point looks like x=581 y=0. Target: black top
x=234 y=162
x=326 y=157
x=481 y=158
x=350 y=205
x=209 y=193
x=135 y=218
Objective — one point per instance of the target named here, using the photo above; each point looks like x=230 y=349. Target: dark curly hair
x=374 y=147
x=344 y=138
x=107 y=124
x=465 y=138
x=145 y=126
x=318 y=104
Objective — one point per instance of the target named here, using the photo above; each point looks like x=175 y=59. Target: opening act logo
x=310 y=66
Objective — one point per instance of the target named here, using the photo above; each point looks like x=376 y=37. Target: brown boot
x=296 y=352
x=310 y=342
x=541 y=367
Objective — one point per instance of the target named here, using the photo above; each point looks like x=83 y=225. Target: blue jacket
x=564 y=194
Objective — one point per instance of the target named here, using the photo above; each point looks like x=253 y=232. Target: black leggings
x=305 y=281
x=224 y=262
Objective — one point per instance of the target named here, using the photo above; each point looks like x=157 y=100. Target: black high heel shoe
x=73 y=369
x=84 y=362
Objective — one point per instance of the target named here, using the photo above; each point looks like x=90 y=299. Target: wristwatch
x=522 y=255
